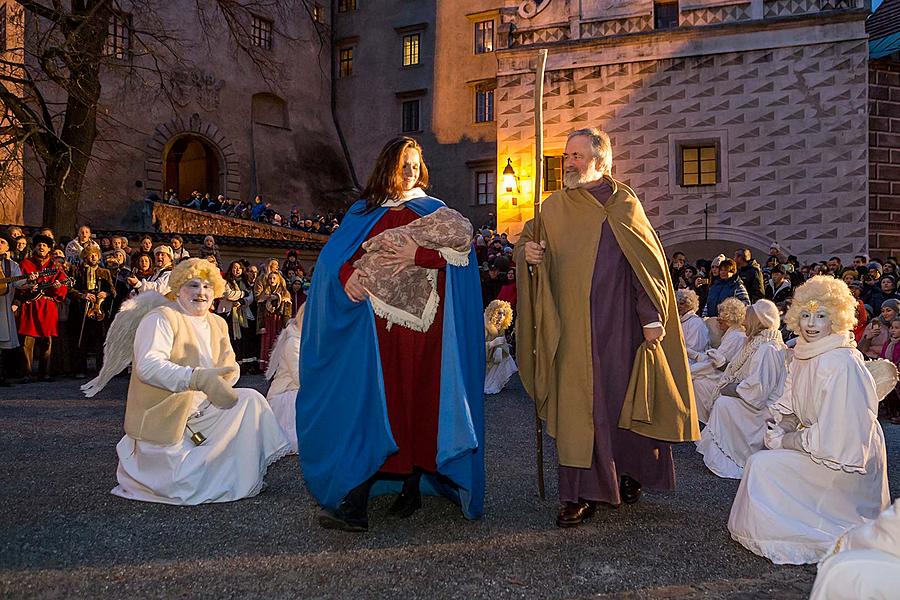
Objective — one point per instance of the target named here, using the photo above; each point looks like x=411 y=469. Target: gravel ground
x=63 y=535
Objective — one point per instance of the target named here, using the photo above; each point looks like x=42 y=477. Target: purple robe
x=619 y=309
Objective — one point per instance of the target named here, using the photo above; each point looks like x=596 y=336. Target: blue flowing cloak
x=342 y=422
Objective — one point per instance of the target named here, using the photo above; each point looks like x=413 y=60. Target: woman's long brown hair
x=386 y=181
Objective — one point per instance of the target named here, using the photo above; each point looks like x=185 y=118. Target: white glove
x=774 y=436
x=789 y=423
x=791 y=441
x=217 y=390
x=716 y=357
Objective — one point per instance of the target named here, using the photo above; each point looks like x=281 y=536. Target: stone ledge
x=173 y=219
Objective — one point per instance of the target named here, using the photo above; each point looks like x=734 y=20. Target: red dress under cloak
x=410 y=365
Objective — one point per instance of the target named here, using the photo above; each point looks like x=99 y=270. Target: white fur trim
x=455 y=257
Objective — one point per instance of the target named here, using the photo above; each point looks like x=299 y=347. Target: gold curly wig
x=823 y=291
x=197 y=268
x=499 y=314
x=732 y=311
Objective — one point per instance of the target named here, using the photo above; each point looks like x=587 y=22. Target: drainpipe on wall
x=334 y=117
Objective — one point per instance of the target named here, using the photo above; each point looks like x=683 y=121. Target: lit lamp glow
x=509 y=177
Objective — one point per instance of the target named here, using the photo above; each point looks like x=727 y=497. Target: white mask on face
x=196 y=296
x=815 y=325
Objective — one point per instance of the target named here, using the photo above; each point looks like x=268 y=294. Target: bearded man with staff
x=600 y=345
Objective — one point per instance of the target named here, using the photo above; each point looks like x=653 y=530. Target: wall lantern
x=509 y=177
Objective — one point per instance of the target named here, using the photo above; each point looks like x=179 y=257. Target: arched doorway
x=191 y=163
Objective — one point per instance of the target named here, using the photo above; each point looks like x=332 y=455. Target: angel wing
x=885 y=375
x=119 y=345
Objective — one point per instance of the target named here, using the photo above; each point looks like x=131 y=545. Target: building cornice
x=689 y=41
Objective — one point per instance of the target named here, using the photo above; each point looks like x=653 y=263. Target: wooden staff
x=536 y=230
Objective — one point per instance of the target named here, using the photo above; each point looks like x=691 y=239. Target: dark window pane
x=484 y=37
x=484 y=187
x=665 y=15
x=410 y=110
x=346 y=62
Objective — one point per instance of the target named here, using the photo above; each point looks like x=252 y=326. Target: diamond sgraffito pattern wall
x=716 y=14
x=796 y=130
x=595 y=29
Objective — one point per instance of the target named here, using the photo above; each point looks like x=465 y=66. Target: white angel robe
x=696 y=336
x=284 y=371
x=241 y=442
x=791 y=506
x=865 y=562
x=737 y=425
x=500 y=365
x=705 y=376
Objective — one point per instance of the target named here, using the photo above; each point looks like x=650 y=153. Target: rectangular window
x=346 y=5
x=318 y=13
x=553 y=173
x=699 y=165
x=346 y=62
x=410 y=110
x=118 y=36
x=411 y=49
x=484 y=37
x=485 y=189
x=665 y=15
x=261 y=33
x=484 y=105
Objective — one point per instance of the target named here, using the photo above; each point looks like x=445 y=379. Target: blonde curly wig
x=732 y=311
x=823 y=291
x=196 y=268
x=499 y=314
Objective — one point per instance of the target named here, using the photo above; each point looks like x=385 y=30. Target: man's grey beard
x=576 y=179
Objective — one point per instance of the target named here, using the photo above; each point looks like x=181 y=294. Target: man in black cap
x=779 y=287
x=9 y=337
x=38 y=315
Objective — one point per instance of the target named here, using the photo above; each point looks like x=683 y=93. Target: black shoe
x=353 y=512
x=629 y=489
x=345 y=519
x=405 y=505
x=572 y=514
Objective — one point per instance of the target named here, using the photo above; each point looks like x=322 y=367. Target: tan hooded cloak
x=554 y=335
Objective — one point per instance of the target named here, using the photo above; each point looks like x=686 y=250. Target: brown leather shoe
x=571 y=514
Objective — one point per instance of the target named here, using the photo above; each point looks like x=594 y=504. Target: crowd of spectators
x=259 y=300
x=872 y=281
x=258 y=210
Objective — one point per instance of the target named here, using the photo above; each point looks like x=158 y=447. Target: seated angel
x=190 y=437
x=864 y=563
x=825 y=470
x=696 y=334
x=284 y=373
x=500 y=363
x=707 y=370
x=752 y=382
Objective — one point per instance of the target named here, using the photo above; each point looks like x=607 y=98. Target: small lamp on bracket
x=509 y=177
